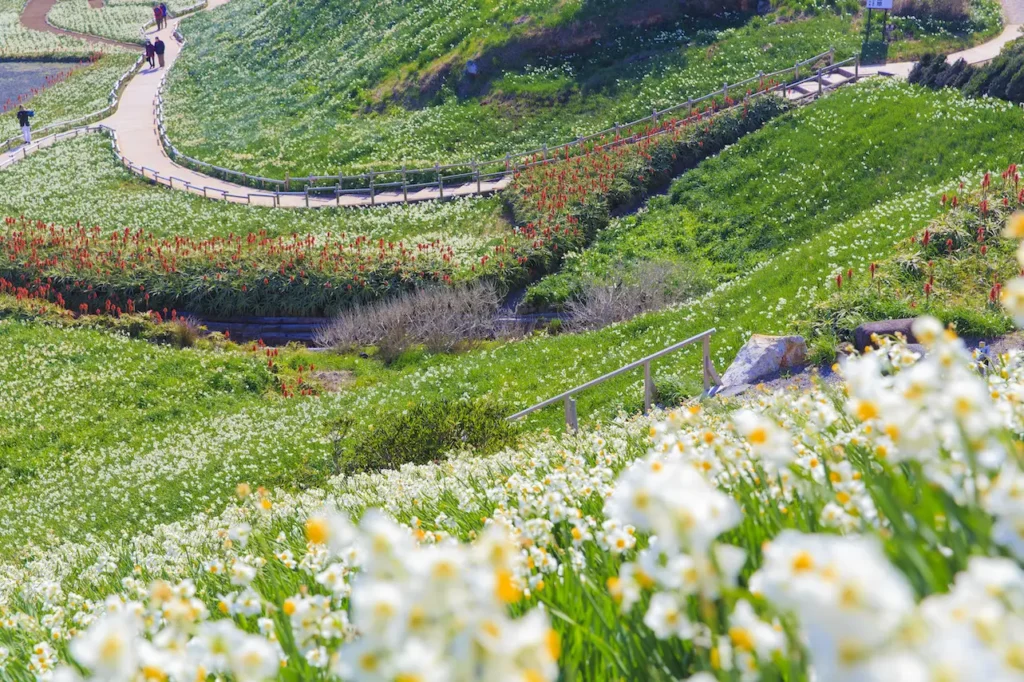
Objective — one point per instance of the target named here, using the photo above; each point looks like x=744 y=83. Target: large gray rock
x=862 y=334
x=763 y=356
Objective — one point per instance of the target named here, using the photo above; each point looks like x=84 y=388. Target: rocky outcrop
x=862 y=334
x=764 y=356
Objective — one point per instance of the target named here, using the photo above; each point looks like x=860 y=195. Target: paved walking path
x=979 y=54
x=134 y=126
x=1014 y=11
x=33 y=16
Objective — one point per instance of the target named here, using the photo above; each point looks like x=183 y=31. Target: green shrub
x=424 y=433
x=1002 y=78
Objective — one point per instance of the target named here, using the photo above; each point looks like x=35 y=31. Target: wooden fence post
x=440 y=181
x=373 y=199
x=405 y=186
x=648 y=388
x=476 y=172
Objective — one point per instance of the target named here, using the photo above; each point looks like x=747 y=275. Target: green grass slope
x=185 y=463
x=250 y=92
x=319 y=86
x=802 y=173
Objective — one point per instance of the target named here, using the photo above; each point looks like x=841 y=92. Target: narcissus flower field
x=840 y=533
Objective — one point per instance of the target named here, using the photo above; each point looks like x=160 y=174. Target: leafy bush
x=1002 y=78
x=427 y=432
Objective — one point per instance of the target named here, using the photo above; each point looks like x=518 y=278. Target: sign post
x=885 y=6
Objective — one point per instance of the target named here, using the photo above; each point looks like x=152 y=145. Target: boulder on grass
x=763 y=356
x=862 y=334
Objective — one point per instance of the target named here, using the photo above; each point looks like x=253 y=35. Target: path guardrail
x=60 y=126
x=571 y=419
x=441 y=177
x=113 y=98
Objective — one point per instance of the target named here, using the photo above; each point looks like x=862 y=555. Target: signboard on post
x=880 y=4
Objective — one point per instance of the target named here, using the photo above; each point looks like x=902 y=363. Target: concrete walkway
x=137 y=140
x=979 y=54
x=1014 y=11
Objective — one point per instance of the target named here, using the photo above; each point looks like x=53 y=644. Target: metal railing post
x=796 y=71
x=440 y=181
x=648 y=388
x=571 y=420
x=405 y=186
x=373 y=199
x=856 y=68
x=476 y=172
x=710 y=374
x=820 y=86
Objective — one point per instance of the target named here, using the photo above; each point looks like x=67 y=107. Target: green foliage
x=801 y=174
x=643 y=169
x=356 y=79
x=952 y=270
x=84 y=91
x=1003 y=77
x=426 y=432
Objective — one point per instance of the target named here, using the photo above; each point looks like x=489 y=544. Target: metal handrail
x=571 y=419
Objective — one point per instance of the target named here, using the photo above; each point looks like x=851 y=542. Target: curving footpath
x=135 y=132
x=33 y=16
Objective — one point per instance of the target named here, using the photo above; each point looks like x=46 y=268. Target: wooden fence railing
x=443 y=177
x=572 y=421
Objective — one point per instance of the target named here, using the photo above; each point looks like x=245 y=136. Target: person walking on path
x=158 y=16
x=163 y=12
x=158 y=48
x=150 y=53
x=23 y=120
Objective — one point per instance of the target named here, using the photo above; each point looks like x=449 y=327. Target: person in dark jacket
x=158 y=48
x=150 y=53
x=163 y=12
x=23 y=120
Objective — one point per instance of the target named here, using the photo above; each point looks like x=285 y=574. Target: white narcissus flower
x=241 y=573
x=1012 y=298
x=254 y=660
x=109 y=648
x=666 y=619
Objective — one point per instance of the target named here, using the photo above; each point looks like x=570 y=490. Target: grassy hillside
x=802 y=173
x=232 y=260
x=85 y=91
x=954 y=269
x=514 y=106
x=18 y=41
x=270 y=89
x=292 y=435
